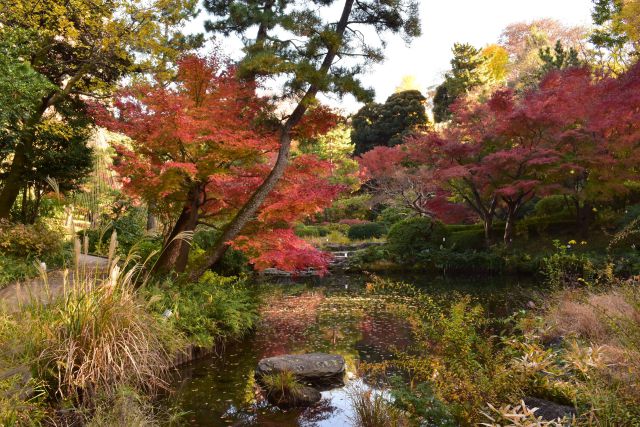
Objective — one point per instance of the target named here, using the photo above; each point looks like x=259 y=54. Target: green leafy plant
x=412 y=236
x=214 y=308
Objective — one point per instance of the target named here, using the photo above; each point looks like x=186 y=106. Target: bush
x=302 y=230
x=566 y=268
x=29 y=241
x=546 y=225
x=412 y=236
x=233 y=262
x=351 y=207
x=366 y=231
x=391 y=215
x=15 y=269
x=467 y=240
x=551 y=206
x=449 y=261
x=630 y=214
x=213 y=308
x=130 y=228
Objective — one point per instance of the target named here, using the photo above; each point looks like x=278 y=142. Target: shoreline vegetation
x=111 y=340
x=153 y=186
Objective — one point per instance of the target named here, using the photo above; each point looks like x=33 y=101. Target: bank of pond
x=418 y=350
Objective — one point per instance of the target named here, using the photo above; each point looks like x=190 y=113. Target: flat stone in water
x=318 y=369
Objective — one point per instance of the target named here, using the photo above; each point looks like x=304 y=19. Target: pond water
x=330 y=315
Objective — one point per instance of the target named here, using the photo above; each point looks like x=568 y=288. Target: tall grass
x=281 y=386
x=372 y=409
x=94 y=338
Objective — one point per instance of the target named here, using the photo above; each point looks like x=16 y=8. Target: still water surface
x=329 y=315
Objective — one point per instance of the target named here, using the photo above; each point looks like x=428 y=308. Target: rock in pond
x=547 y=410
x=317 y=369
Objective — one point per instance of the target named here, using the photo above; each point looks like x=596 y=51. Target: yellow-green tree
x=83 y=48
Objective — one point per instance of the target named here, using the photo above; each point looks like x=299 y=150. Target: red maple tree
x=573 y=135
x=199 y=148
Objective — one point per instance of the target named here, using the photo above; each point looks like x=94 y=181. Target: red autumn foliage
x=573 y=135
x=201 y=146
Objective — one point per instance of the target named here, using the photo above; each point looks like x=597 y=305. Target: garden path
x=16 y=294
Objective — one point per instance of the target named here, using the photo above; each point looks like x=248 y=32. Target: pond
x=332 y=315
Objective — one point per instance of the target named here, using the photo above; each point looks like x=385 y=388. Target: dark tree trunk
x=247 y=212
x=508 y=227
x=513 y=207
x=12 y=183
x=175 y=253
x=19 y=166
x=488 y=227
x=152 y=223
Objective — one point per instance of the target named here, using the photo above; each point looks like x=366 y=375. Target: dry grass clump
x=374 y=410
x=594 y=317
x=520 y=416
x=99 y=337
x=95 y=338
x=603 y=350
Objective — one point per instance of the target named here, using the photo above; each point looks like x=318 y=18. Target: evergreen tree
x=387 y=124
x=466 y=73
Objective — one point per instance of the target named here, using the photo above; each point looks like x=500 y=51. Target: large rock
x=318 y=369
x=549 y=411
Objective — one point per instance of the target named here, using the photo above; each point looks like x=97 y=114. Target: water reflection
x=316 y=317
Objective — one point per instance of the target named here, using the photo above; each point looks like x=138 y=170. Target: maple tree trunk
x=247 y=212
x=175 y=254
x=488 y=227
x=508 y=227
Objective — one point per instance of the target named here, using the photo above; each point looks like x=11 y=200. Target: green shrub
x=358 y=206
x=213 y=308
x=551 y=206
x=421 y=403
x=411 y=236
x=391 y=215
x=465 y=227
x=449 y=261
x=29 y=240
x=130 y=227
x=630 y=214
x=535 y=226
x=15 y=269
x=368 y=255
x=366 y=231
x=303 y=230
x=233 y=262
x=467 y=240
x=567 y=268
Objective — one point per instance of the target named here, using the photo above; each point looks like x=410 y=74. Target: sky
x=444 y=22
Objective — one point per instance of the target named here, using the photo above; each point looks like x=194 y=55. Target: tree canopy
x=76 y=49
x=387 y=124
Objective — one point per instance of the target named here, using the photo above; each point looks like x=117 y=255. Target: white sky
x=478 y=22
